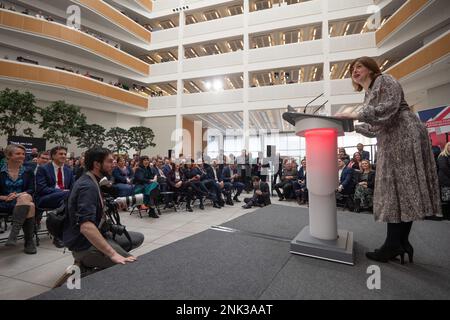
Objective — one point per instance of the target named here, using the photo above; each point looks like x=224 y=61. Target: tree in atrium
x=61 y=122
x=119 y=138
x=91 y=135
x=140 y=138
x=17 y=108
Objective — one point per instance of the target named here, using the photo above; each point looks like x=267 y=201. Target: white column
x=178 y=142
x=246 y=124
x=326 y=58
x=198 y=139
x=180 y=87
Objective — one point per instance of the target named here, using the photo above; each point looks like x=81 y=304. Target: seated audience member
x=444 y=179
x=70 y=163
x=145 y=181
x=54 y=180
x=123 y=177
x=436 y=150
x=365 y=155
x=230 y=175
x=133 y=164
x=162 y=181
x=91 y=244
x=355 y=162
x=179 y=184
x=208 y=183
x=16 y=189
x=217 y=184
x=225 y=188
x=287 y=177
x=199 y=189
x=167 y=167
x=79 y=169
x=365 y=183
x=261 y=194
x=345 y=178
x=301 y=192
x=343 y=155
x=42 y=159
x=34 y=154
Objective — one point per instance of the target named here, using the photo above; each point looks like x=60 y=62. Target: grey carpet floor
x=221 y=265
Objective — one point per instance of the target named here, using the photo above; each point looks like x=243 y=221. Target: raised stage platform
x=254 y=263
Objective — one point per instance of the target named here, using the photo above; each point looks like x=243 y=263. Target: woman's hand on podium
x=347 y=115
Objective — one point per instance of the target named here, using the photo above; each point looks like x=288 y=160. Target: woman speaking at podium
x=406 y=184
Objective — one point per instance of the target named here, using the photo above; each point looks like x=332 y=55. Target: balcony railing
x=399 y=18
x=426 y=55
x=60 y=32
x=116 y=17
x=71 y=81
x=147 y=4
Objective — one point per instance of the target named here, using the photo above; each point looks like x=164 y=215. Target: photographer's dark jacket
x=85 y=204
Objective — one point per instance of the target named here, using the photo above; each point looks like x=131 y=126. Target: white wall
x=162 y=127
x=439 y=96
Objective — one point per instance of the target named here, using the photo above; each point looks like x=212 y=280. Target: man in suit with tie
x=53 y=180
x=365 y=155
x=261 y=194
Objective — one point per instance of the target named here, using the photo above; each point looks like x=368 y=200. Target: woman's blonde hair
x=10 y=149
x=368 y=162
x=445 y=152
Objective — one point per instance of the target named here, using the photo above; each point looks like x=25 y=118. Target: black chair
x=38 y=231
x=163 y=195
x=138 y=209
x=4 y=217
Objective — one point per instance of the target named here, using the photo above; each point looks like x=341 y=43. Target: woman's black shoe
x=357 y=207
x=189 y=209
x=152 y=213
x=384 y=254
x=409 y=251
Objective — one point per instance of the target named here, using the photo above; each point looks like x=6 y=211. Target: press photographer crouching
x=92 y=231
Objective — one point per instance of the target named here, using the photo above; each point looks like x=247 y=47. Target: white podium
x=322 y=239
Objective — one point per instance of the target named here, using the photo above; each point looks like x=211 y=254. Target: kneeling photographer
x=90 y=231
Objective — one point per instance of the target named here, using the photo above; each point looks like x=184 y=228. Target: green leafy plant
x=140 y=138
x=17 y=108
x=61 y=122
x=91 y=135
x=118 y=138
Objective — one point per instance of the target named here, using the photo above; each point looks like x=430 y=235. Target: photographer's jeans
x=93 y=258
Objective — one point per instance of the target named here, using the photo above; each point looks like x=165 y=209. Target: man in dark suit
x=167 y=167
x=207 y=181
x=365 y=155
x=223 y=187
x=261 y=194
x=301 y=192
x=34 y=154
x=346 y=184
x=230 y=175
x=54 y=180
